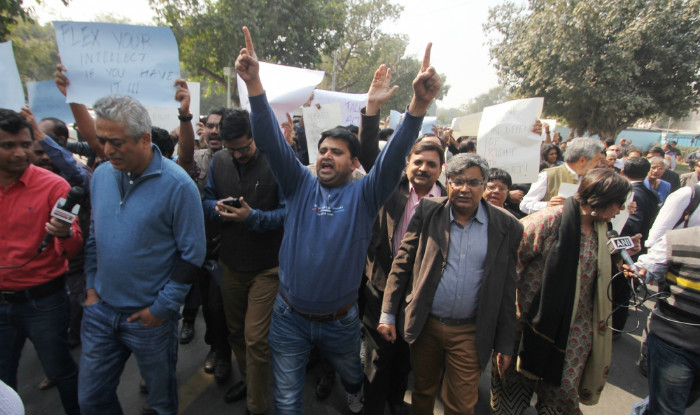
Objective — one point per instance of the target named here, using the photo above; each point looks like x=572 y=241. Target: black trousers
x=387 y=365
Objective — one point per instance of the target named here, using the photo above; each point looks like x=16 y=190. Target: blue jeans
x=108 y=341
x=291 y=338
x=674 y=377
x=45 y=323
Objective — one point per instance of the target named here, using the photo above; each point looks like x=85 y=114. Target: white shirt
x=670 y=213
x=532 y=201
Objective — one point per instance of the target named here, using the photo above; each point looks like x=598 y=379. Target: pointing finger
x=248 y=41
x=426 y=57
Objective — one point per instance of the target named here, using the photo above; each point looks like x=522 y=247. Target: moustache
x=423 y=174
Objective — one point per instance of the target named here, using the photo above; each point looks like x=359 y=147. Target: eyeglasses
x=493 y=188
x=459 y=183
x=211 y=125
x=241 y=150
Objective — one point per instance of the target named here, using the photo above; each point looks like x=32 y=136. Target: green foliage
x=600 y=64
x=289 y=32
x=363 y=47
x=12 y=12
x=35 y=50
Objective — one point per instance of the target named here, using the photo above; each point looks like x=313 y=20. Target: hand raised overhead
x=247 y=66
x=426 y=86
x=380 y=90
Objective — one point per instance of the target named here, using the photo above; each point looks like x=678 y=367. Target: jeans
x=291 y=338
x=45 y=323
x=674 y=380
x=108 y=341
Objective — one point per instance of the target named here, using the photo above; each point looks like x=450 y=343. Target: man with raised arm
x=327 y=231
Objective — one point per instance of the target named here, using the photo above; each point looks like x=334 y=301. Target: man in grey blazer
x=452 y=289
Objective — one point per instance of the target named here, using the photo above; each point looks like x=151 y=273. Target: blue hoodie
x=327 y=230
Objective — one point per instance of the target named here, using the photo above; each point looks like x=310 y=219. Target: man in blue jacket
x=146 y=245
x=328 y=228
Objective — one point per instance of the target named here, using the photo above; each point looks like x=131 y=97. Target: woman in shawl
x=564 y=268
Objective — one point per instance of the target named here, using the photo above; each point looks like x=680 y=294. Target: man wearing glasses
x=458 y=307
x=243 y=196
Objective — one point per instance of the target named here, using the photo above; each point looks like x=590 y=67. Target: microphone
x=618 y=245
x=66 y=210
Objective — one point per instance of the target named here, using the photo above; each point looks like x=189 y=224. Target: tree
x=289 y=32
x=600 y=65
x=363 y=47
x=35 y=50
x=12 y=12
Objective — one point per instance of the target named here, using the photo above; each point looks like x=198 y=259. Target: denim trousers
x=674 y=377
x=108 y=341
x=292 y=336
x=45 y=323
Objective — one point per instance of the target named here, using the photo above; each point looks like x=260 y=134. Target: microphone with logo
x=66 y=210
x=618 y=245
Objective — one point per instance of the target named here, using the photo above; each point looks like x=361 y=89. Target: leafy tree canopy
x=290 y=32
x=12 y=12
x=600 y=64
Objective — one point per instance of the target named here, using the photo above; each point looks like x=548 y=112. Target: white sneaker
x=355 y=402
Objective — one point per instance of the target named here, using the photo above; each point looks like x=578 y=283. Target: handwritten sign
x=106 y=58
x=350 y=104
x=45 y=100
x=317 y=121
x=167 y=117
x=466 y=126
x=287 y=88
x=506 y=141
x=12 y=96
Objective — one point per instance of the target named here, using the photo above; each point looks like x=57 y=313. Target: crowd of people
x=392 y=256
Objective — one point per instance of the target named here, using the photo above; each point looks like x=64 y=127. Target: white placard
x=506 y=140
x=108 y=58
x=12 y=96
x=287 y=88
x=618 y=222
x=167 y=117
x=317 y=121
x=466 y=126
x=567 y=189
x=350 y=104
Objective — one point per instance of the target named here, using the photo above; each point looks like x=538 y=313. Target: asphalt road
x=201 y=395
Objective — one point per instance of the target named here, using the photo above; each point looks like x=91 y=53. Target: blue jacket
x=327 y=230
x=138 y=238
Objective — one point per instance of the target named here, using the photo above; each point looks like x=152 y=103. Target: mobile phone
x=233 y=203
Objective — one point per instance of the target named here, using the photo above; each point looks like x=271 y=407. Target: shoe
x=147 y=410
x=142 y=386
x=187 y=332
x=222 y=369
x=210 y=361
x=236 y=393
x=46 y=383
x=324 y=386
x=355 y=402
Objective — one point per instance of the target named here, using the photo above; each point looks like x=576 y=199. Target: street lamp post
x=228 y=71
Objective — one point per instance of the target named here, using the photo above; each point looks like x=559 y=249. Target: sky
x=454 y=27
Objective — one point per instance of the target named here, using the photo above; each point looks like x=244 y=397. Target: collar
x=154 y=167
x=434 y=191
x=572 y=172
